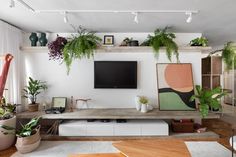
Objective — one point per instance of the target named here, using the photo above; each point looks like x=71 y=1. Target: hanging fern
x=81 y=46
x=229 y=55
x=160 y=39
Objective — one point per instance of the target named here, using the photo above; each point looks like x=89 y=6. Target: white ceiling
x=216 y=18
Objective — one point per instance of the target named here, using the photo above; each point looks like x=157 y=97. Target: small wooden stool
x=99 y=155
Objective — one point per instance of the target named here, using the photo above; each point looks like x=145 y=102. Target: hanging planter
x=229 y=55
x=81 y=46
x=162 y=38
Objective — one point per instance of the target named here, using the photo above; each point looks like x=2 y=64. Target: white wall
x=80 y=82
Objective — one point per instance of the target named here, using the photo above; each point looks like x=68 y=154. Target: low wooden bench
x=99 y=155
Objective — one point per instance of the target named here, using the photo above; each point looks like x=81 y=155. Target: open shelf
x=124 y=49
x=119 y=113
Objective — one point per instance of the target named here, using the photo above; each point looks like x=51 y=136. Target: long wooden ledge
x=118 y=113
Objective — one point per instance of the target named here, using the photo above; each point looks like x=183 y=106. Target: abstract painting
x=175 y=86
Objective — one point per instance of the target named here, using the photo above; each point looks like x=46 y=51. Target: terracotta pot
x=8 y=140
x=30 y=143
x=33 y=107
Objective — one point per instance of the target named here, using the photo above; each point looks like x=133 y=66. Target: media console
x=112 y=128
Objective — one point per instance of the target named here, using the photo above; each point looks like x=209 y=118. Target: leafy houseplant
x=31 y=91
x=7 y=124
x=202 y=41
x=208 y=99
x=160 y=39
x=229 y=55
x=81 y=46
x=28 y=137
x=144 y=102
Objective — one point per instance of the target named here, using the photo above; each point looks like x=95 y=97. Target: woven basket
x=30 y=143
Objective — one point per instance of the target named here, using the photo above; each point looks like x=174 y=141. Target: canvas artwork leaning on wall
x=175 y=86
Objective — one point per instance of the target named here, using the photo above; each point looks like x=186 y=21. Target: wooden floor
x=218 y=126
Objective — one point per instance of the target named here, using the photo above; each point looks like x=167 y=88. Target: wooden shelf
x=118 y=113
x=125 y=49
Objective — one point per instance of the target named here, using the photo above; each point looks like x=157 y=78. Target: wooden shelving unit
x=124 y=49
x=211 y=72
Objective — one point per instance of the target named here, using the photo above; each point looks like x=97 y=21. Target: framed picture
x=108 y=39
x=59 y=102
x=175 y=86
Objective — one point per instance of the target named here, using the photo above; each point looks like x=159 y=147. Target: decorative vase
x=33 y=38
x=137 y=103
x=43 y=40
x=9 y=139
x=144 y=108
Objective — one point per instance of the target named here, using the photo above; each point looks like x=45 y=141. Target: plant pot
x=134 y=43
x=144 y=108
x=8 y=140
x=33 y=107
x=30 y=143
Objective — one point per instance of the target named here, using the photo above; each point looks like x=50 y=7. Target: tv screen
x=115 y=74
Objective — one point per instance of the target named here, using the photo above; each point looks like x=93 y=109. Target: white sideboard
x=112 y=128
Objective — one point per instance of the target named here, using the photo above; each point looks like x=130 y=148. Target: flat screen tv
x=115 y=74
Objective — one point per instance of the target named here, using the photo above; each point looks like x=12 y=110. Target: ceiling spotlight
x=135 y=17
x=65 y=17
x=189 y=19
x=12 y=4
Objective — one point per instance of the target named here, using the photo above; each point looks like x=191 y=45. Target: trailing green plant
x=143 y=100
x=208 y=99
x=162 y=38
x=34 y=88
x=229 y=55
x=202 y=41
x=81 y=46
x=29 y=128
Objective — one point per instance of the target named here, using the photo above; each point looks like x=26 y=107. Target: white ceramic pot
x=8 y=140
x=144 y=108
x=150 y=107
x=137 y=103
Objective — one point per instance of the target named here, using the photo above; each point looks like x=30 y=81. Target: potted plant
x=31 y=91
x=202 y=41
x=28 y=137
x=81 y=46
x=208 y=99
x=162 y=38
x=229 y=55
x=144 y=102
x=7 y=125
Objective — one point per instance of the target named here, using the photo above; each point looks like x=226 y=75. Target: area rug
x=65 y=148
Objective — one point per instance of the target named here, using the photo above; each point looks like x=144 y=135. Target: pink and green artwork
x=175 y=86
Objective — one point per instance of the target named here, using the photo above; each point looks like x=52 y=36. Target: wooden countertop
x=118 y=113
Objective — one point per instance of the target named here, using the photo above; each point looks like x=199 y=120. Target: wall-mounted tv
x=115 y=74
